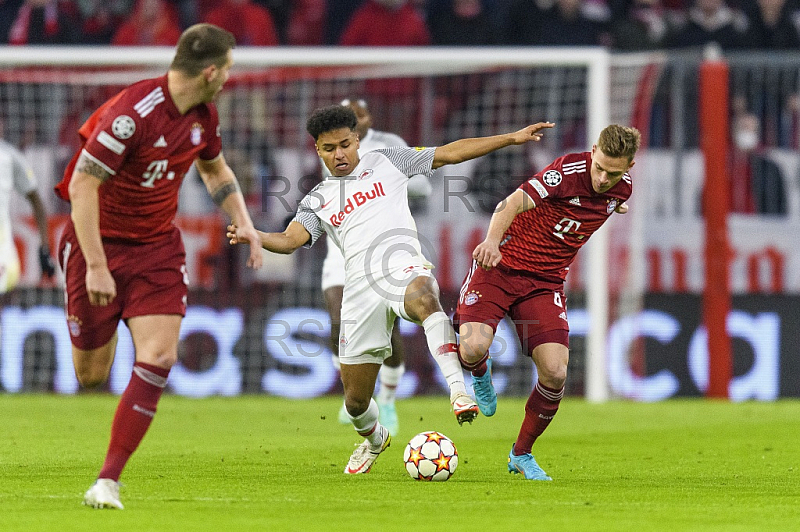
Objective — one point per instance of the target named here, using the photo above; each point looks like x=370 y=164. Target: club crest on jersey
x=551 y=178
x=472 y=297
x=196 y=135
x=366 y=174
x=612 y=204
x=123 y=127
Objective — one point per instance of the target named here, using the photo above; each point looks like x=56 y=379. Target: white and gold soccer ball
x=430 y=456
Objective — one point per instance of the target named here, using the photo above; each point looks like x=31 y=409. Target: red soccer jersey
x=568 y=211
x=148 y=146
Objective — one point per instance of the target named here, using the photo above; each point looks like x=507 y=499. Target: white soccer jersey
x=333 y=266
x=366 y=214
x=15 y=174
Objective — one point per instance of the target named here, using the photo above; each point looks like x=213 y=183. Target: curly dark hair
x=330 y=118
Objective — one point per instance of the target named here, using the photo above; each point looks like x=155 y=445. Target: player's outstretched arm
x=287 y=242
x=466 y=149
x=224 y=189
x=487 y=253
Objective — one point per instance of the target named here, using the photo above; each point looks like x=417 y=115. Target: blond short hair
x=619 y=141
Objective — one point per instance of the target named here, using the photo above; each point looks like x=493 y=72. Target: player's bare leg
x=551 y=360
x=92 y=366
x=155 y=339
x=422 y=305
x=475 y=340
x=391 y=372
x=359 y=383
x=333 y=302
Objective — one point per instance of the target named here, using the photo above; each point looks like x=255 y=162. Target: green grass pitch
x=263 y=463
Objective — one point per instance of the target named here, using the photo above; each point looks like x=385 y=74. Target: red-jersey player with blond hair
x=520 y=268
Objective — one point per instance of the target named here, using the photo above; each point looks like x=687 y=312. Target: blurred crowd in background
x=625 y=25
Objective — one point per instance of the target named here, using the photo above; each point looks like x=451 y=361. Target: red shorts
x=537 y=306
x=151 y=279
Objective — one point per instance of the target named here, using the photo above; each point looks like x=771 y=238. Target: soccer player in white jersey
x=363 y=207
x=333 y=273
x=16 y=174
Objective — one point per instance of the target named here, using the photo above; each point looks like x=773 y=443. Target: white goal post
x=597 y=91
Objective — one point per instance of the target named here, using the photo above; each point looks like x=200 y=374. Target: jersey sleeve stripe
x=146 y=105
x=111 y=143
x=533 y=200
x=98 y=161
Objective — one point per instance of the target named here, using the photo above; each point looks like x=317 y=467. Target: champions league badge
x=196 y=135
x=551 y=178
x=612 y=204
x=123 y=127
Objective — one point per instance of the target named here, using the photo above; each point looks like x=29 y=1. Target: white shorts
x=369 y=309
x=332 y=267
x=9 y=267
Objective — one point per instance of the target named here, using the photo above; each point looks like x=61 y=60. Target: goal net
x=428 y=97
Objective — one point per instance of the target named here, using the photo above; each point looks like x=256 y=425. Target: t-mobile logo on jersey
x=356 y=200
x=566 y=225
x=155 y=171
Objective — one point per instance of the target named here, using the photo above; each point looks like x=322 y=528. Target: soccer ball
x=430 y=456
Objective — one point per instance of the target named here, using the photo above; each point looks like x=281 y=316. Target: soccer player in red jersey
x=122 y=255
x=520 y=268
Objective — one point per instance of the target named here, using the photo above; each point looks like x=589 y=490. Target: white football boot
x=364 y=456
x=104 y=493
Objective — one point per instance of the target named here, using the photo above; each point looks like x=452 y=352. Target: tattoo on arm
x=88 y=166
x=221 y=193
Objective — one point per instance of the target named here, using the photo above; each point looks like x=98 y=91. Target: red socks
x=480 y=371
x=135 y=411
x=542 y=405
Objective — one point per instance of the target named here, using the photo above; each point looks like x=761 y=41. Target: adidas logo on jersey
x=160 y=143
x=576 y=201
x=563 y=315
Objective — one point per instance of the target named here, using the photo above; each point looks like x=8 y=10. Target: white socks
x=367 y=425
x=442 y=343
x=389 y=378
